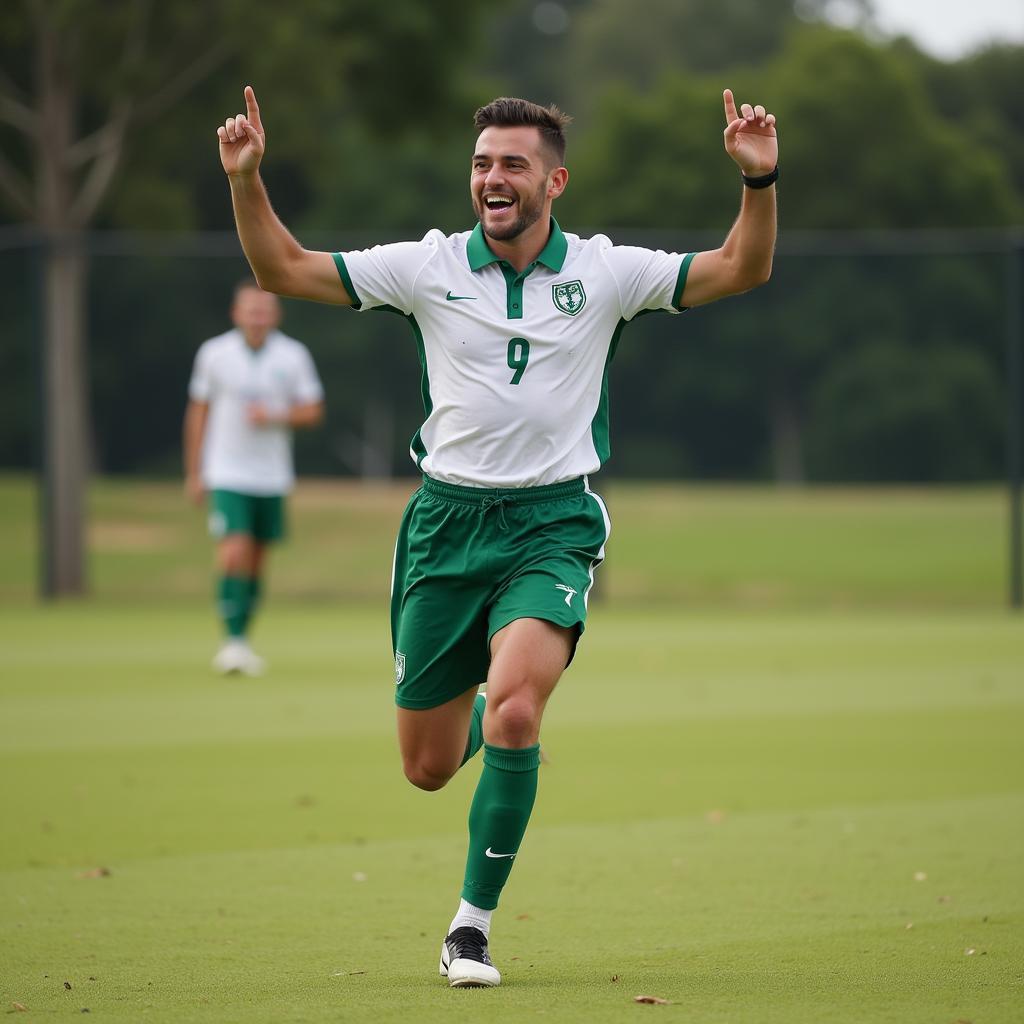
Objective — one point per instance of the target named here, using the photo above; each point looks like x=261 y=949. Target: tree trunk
x=65 y=412
x=66 y=421
x=787 y=440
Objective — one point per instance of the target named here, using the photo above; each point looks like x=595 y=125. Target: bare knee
x=513 y=722
x=235 y=555
x=426 y=775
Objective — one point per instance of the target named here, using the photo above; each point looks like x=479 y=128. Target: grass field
x=694 y=547
x=787 y=787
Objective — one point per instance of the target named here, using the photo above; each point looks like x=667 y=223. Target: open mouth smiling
x=497 y=202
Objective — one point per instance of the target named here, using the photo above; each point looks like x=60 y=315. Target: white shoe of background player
x=237 y=656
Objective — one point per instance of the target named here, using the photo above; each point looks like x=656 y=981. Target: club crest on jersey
x=399 y=668
x=569 y=297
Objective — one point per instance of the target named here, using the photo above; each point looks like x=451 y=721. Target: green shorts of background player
x=244 y=526
x=481 y=575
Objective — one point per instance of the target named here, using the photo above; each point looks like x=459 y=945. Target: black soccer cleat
x=465 y=961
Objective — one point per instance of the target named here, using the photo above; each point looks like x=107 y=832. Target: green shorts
x=259 y=515
x=471 y=560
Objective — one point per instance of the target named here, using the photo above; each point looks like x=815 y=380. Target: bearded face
x=510 y=182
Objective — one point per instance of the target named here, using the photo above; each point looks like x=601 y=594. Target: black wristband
x=764 y=181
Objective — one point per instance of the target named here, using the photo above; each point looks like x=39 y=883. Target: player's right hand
x=194 y=490
x=242 y=139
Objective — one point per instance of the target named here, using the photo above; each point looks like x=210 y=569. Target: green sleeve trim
x=346 y=280
x=684 y=269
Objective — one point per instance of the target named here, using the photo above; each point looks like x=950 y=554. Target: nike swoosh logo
x=456 y=298
x=490 y=853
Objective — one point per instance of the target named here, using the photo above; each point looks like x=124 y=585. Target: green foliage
x=407 y=185
x=368 y=111
x=177 y=69
x=882 y=412
x=862 y=147
x=632 y=45
x=653 y=160
x=979 y=95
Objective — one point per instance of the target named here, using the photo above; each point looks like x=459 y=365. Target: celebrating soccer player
x=517 y=323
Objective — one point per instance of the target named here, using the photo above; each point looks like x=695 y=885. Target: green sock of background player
x=233 y=604
x=255 y=593
x=498 y=817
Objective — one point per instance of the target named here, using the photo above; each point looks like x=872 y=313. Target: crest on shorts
x=569 y=297
x=399 y=668
x=217 y=524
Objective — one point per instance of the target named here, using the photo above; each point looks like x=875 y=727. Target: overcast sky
x=950 y=28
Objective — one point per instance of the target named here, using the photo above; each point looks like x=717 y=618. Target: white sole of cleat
x=469 y=974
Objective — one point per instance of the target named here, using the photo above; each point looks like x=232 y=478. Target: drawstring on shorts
x=499 y=502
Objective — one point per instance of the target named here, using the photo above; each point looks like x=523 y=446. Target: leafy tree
x=979 y=95
x=865 y=149
x=862 y=148
x=882 y=412
x=88 y=89
x=636 y=45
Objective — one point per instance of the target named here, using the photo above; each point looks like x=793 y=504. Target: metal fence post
x=1013 y=424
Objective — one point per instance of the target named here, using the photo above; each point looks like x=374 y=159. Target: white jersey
x=515 y=365
x=231 y=376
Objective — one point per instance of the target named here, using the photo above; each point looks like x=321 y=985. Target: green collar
x=552 y=255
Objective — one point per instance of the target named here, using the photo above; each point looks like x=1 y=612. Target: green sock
x=255 y=593
x=476 y=728
x=233 y=604
x=497 y=820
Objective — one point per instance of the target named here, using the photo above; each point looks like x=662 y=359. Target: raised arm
x=745 y=259
x=279 y=263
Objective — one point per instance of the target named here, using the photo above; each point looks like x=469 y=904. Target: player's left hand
x=750 y=137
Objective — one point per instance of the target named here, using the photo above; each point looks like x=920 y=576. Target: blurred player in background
x=250 y=388
x=516 y=324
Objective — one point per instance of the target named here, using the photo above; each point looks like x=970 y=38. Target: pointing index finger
x=730 y=106
x=252 y=108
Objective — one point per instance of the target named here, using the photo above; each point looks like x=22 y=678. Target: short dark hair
x=510 y=112
x=244 y=285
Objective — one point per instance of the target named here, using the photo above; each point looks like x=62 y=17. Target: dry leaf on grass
x=970 y=952
x=19 y=1007
x=652 y=1000
x=615 y=977
x=100 y=872
x=920 y=876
